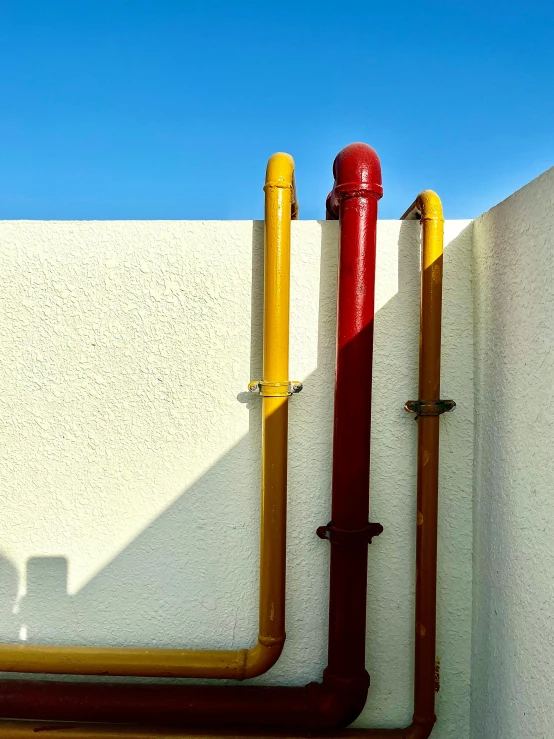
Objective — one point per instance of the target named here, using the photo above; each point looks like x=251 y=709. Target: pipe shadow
x=177 y=581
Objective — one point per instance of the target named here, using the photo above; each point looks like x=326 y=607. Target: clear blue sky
x=144 y=109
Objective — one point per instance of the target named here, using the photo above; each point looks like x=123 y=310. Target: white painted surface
x=130 y=470
x=513 y=647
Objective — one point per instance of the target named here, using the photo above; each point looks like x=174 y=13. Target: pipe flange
x=349 y=536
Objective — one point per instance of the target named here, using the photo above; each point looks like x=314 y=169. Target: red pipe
x=341 y=695
x=353 y=201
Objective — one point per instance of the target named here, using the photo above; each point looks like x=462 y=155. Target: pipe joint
x=280 y=174
x=357 y=174
x=353 y=190
x=261 y=657
x=421 y=727
x=336 y=702
x=426 y=207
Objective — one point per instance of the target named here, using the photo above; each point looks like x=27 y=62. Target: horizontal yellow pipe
x=55 y=730
x=280 y=206
x=39 y=730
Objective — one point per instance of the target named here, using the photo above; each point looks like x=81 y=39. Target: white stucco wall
x=129 y=450
x=513 y=614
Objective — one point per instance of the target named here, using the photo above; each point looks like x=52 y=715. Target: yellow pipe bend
x=280 y=206
x=426 y=207
x=280 y=174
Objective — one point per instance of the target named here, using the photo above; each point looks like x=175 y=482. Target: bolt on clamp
x=275 y=389
x=429 y=407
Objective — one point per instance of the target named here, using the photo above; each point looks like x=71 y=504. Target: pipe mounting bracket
x=275 y=389
x=429 y=407
x=349 y=536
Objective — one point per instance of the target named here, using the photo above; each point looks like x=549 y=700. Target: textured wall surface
x=129 y=450
x=513 y=648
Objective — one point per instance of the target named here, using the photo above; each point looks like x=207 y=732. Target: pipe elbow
x=427 y=207
x=357 y=173
x=420 y=728
x=280 y=174
x=335 y=703
x=260 y=658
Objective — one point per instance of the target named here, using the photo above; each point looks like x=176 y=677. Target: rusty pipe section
x=341 y=694
x=280 y=206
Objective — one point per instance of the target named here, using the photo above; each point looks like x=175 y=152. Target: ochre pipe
x=341 y=695
x=280 y=205
x=428 y=208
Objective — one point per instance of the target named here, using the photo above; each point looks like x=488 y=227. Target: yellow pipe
x=57 y=730
x=34 y=729
x=428 y=208
x=280 y=206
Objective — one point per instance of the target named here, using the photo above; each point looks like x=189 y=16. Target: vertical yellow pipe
x=428 y=208
x=280 y=207
x=432 y=225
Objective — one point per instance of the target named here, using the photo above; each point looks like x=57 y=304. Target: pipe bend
x=421 y=729
x=335 y=703
x=261 y=657
x=357 y=173
x=418 y=729
x=280 y=174
x=426 y=207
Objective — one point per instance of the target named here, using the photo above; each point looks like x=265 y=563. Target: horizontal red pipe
x=341 y=695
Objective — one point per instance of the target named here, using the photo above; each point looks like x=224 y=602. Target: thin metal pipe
x=341 y=695
x=280 y=206
x=428 y=208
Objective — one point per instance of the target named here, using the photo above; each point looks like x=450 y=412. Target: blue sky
x=131 y=109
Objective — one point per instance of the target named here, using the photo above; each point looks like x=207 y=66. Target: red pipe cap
x=357 y=173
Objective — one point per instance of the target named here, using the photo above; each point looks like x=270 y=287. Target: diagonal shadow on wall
x=195 y=547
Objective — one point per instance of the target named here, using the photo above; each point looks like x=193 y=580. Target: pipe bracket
x=429 y=407
x=275 y=389
x=349 y=536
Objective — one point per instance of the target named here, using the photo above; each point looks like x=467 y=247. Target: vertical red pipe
x=339 y=698
x=354 y=200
